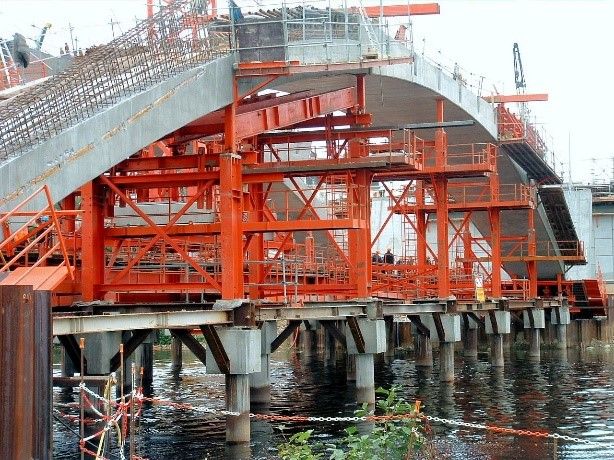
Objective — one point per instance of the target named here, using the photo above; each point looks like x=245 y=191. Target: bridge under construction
x=216 y=172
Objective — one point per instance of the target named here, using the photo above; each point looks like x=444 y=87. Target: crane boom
x=41 y=37
x=518 y=72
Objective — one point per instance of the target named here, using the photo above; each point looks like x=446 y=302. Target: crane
x=41 y=37
x=521 y=84
x=521 y=96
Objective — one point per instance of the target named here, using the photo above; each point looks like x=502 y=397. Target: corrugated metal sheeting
x=25 y=373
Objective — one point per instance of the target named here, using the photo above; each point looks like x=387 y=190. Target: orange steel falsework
x=503 y=99
x=38 y=234
x=225 y=208
x=414 y=9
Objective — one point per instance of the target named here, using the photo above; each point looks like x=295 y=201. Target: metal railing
x=571 y=250
x=156 y=49
x=38 y=236
x=514 y=128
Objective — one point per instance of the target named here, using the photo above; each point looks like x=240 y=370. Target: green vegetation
x=163 y=339
x=392 y=439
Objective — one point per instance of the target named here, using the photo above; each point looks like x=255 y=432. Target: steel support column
x=359 y=240
x=92 y=236
x=359 y=201
x=532 y=252
x=440 y=184
x=421 y=225
x=231 y=208
x=256 y=243
x=495 y=250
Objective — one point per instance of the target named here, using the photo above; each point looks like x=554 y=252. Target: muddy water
x=572 y=396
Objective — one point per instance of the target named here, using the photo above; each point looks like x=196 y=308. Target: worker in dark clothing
x=389 y=257
x=377 y=258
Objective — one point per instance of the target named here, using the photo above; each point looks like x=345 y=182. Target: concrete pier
x=99 y=349
x=364 y=338
x=144 y=359
x=330 y=347
x=390 y=338
x=241 y=356
x=446 y=361
x=320 y=338
x=447 y=328
x=365 y=379
x=561 y=336
x=237 y=400
x=560 y=319
x=498 y=325
x=534 y=320
x=306 y=339
x=405 y=335
x=350 y=368
x=507 y=345
x=470 y=348
x=423 y=351
x=176 y=355
x=534 y=339
x=496 y=350
x=470 y=339
x=260 y=382
x=67 y=367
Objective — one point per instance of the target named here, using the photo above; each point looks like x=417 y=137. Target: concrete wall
x=603 y=233
x=580 y=203
x=91 y=147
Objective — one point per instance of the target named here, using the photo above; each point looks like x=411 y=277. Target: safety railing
x=312 y=34
x=457 y=155
x=310 y=203
x=154 y=50
x=472 y=194
x=513 y=128
x=483 y=193
x=400 y=143
x=572 y=250
x=161 y=267
x=517 y=288
x=32 y=238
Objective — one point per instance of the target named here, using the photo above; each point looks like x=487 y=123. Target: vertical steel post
x=359 y=208
x=132 y=413
x=440 y=183
x=231 y=208
x=421 y=229
x=92 y=240
x=256 y=245
x=532 y=252
x=81 y=399
x=495 y=249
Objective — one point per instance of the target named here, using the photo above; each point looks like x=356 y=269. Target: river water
x=572 y=396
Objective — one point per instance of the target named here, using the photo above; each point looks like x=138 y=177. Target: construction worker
x=377 y=258
x=389 y=257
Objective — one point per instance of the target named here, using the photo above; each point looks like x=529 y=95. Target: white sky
x=566 y=49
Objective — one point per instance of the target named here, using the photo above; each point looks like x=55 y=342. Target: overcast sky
x=566 y=49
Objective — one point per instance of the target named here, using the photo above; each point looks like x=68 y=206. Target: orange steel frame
x=269 y=236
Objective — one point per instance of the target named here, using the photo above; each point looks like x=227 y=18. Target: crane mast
x=521 y=84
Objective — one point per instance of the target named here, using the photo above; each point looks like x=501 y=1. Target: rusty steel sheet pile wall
x=172 y=41
x=25 y=372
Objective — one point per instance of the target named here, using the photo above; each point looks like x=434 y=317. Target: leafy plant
x=297 y=448
x=393 y=438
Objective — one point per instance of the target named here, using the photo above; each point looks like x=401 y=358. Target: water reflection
x=571 y=393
